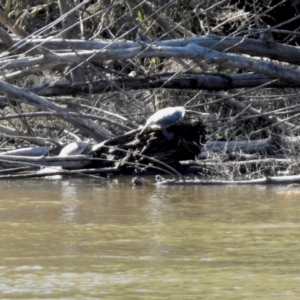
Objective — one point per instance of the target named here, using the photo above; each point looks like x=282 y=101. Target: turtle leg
x=168 y=135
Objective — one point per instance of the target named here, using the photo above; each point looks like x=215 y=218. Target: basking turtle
x=165 y=118
x=74 y=148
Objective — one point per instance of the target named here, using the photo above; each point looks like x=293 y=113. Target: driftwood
x=260 y=181
x=30 y=151
x=192 y=81
x=54 y=172
x=210 y=49
x=249 y=169
x=274 y=145
x=152 y=153
x=190 y=51
x=270 y=146
x=236 y=159
x=126 y=154
x=115 y=69
x=76 y=161
x=238 y=45
x=186 y=144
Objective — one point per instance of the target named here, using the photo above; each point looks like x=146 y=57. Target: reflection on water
x=81 y=238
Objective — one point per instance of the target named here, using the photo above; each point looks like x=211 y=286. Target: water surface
x=83 y=239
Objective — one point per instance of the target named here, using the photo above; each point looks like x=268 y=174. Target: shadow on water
x=81 y=238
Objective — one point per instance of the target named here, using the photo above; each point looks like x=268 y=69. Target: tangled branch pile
x=96 y=70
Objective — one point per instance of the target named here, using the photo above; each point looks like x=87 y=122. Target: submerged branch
x=261 y=181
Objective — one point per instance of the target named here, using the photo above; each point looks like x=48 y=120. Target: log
x=260 y=181
x=238 y=45
x=29 y=151
x=269 y=146
x=130 y=150
x=75 y=161
x=209 y=82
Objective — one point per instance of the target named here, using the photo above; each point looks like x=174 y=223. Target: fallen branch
x=190 y=51
x=261 y=181
x=94 y=130
x=193 y=81
x=238 y=45
x=74 y=161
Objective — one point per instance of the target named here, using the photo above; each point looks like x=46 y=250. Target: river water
x=86 y=239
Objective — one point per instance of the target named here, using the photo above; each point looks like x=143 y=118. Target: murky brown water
x=81 y=239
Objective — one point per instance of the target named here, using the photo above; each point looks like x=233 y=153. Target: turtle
x=165 y=118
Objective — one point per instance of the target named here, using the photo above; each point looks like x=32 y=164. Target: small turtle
x=74 y=148
x=159 y=178
x=165 y=118
x=136 y=181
